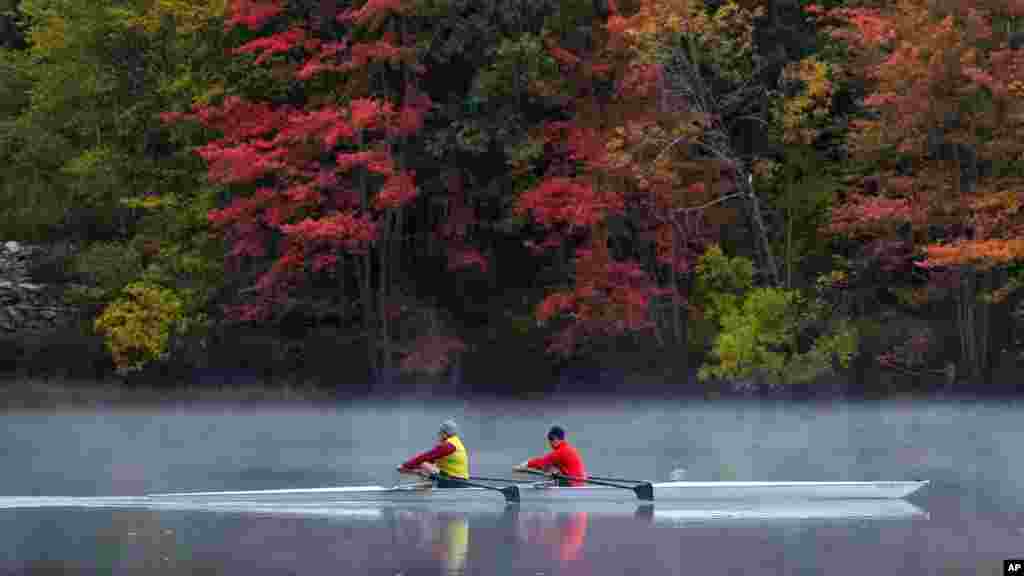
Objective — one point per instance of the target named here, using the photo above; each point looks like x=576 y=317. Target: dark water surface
x=972 y=515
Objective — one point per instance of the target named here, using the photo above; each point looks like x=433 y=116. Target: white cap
x=449 y=427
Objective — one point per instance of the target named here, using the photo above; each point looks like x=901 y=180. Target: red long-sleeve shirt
x=566 y=459
x=436 y=453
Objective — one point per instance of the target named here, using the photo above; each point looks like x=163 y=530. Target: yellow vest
x=455 y=464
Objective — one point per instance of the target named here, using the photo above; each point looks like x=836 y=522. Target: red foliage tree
x=616 y=156
x=324 y=178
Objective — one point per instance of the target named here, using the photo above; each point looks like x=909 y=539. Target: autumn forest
x=755 y=195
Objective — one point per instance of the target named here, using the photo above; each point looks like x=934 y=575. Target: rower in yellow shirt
x=448 y=457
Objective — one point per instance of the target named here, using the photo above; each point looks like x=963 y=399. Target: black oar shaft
x=511 y=493
x=606 y=479
x=644 y=491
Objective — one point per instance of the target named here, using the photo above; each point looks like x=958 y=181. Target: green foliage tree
x=770 y=334
x=88 y=159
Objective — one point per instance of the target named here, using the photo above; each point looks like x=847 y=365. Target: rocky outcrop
x=26 y=307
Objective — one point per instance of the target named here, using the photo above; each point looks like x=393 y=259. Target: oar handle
x=535 y=472
x=562 y=476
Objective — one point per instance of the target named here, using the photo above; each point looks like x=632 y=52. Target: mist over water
x=967 y=450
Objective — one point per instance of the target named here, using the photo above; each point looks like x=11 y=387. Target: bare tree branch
x=707 y=205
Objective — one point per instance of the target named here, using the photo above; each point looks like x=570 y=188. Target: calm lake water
x=967 y=521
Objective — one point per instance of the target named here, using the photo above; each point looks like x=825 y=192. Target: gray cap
x=449 y=427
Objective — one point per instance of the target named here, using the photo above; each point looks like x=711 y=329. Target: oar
x=511 y=493
x=644 y=491
x=619 y=480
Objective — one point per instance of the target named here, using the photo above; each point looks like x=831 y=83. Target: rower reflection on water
x=453 y=544
x=558 y=536
x=562 y=534
x=445 y=536
x=546 y=533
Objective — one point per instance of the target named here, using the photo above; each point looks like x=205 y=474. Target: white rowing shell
x=666 y=491
x=673 y=512
x=688 y=492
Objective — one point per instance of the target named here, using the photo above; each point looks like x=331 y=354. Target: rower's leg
x=426 y=470
x=449 y=483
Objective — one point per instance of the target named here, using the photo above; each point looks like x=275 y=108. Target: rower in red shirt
x=563 y=459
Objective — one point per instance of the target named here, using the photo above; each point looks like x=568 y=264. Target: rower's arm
x=439 y=451
x=548 y=460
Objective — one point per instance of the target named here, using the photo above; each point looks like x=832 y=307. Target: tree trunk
x=399 y=232
x=760 y=230
x=677 y=324
x=1000 y=317
x=859 y=369
x=423 y=231
x=398 y=238
x=384 y=293
x=789 y=230
x=984 y=334
x=967 y=307
x=455 y=374
x=426 y=384
x=492 y=262
x=342 y=281
x=961 y=321
x=563 y=258
x=369 y=321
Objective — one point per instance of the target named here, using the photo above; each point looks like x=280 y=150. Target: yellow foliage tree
x=803 y=115
x=189 y=16
x=137 y=326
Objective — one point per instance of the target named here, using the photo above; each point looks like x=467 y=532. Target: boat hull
x=663 y=492
x=666 y=513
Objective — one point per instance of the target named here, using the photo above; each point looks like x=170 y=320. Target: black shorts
x=448 y=483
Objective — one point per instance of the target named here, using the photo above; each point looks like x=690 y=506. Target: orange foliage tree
x=943 y=111
x=944 y=87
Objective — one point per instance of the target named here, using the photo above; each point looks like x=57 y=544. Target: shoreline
x=26 y=395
